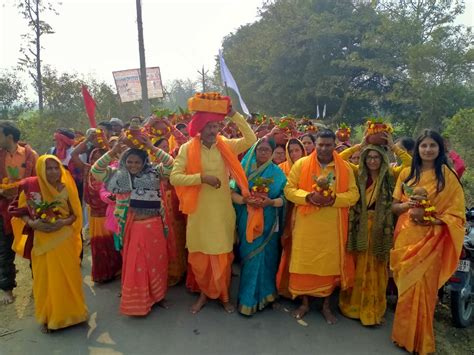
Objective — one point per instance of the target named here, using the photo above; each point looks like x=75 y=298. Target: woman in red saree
x=136 y=185
x=426 y=250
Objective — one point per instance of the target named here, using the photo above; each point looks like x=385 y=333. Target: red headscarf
x=62 y=144
x=200 y=119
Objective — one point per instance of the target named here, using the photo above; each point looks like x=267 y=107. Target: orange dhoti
x=212 y=273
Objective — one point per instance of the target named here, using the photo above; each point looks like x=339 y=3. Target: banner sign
x=129 y=87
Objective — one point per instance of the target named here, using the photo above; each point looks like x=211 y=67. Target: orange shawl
x=188 y=195
x=310 y=168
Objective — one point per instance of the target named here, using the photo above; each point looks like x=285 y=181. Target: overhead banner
x=129 y=87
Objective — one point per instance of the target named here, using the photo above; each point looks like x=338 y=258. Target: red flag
x=90 y=104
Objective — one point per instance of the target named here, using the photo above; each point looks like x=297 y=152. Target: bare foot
x=228 y=307
x=303 y=309
x=300 y=312
x=44 y=329
x=196 y=307
x=327 y=314
x=6 y=297
x=164 y=304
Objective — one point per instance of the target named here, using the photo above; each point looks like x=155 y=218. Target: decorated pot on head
x=207 y=107
x=343 y=133
x=376 y=130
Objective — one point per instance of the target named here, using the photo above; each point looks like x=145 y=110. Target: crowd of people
x=302 y=212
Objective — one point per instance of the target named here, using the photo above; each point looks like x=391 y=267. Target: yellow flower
x=38 y=210
x=266 y=189
x=55 y=209
x=325 y=193
x=254 y=188
x=43 y=216
x=53 y=220
x=372 y=126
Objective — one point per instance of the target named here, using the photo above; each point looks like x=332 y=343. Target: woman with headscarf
x=260 y=256
x=57 y=282
x=309 y=142
x=371 y=232
x=426 y=252
x=136 y=185
x=106 y=260
x=295 y=150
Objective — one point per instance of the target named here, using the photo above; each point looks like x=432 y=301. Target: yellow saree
x=366 y=300
x=423 y=258
x=57 y=280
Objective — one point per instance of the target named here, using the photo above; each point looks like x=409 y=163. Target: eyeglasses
x=375 y=158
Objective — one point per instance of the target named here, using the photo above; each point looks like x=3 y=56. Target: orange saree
x=423 y=258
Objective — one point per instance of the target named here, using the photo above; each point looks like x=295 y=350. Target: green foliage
x=459 y=134
x=12 y=95
x=404 y=60
x=468 y=184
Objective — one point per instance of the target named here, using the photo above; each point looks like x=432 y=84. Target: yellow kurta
x=316 y=248
x=210 y=230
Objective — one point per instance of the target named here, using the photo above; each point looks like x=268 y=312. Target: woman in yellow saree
x=371 y=231
x=426 y=250
x=57 y=280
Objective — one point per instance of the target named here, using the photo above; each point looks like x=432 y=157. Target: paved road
x=176 y=331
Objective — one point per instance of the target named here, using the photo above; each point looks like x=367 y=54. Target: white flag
x=317 y=111
x=324 y=111
x=228 y=80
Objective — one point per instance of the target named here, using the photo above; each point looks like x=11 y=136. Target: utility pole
x=141 y=49
x=203 y=75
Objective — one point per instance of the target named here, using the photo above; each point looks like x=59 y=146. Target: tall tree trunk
x=39 y=79
x=141 y=49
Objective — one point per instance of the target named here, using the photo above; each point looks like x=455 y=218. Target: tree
x=435 y=59
x=459 y=133
x=404 y=60
x=33 y=11
x=12 y=94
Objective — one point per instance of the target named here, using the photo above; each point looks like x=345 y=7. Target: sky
x=96 y=37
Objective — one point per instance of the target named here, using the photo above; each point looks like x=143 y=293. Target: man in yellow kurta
x=319 y=262
x=203 y=165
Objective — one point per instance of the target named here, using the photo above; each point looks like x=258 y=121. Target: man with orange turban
x=201 y=177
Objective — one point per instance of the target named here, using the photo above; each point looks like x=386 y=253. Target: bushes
x=459 y=133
